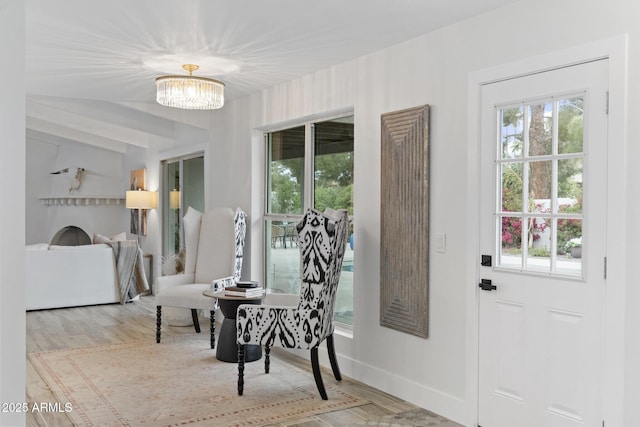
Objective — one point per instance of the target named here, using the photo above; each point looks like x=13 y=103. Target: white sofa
x=69 y=276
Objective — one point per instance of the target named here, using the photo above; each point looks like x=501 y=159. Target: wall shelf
x=82 y=200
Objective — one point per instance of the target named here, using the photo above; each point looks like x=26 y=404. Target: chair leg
x=332 y=358
x=315 y=366
x=158 y=322
x=194 y=316
x=212 y=318
x=267 y=360
x=240 y=369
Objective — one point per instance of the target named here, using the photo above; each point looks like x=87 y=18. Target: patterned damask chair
x=214 y=249
x=322 y=239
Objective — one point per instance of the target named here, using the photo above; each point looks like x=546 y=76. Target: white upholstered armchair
x=322 y=239
x=214 y=248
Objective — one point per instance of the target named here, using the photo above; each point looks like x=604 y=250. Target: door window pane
x=510 y=240
x=539 y=244
x=570 y=182
x=570 y=245
x=540 y=129
x=539 y=183
x=511 y=199
x=511 y=132
x=570 y=125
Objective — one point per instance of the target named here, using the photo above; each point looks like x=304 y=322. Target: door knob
x=485 y=285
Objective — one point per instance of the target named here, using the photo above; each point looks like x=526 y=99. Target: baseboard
x=451 y=407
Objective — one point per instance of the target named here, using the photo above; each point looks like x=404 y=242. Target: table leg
x=227 y=350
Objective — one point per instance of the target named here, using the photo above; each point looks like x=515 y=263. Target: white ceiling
x=95 y=58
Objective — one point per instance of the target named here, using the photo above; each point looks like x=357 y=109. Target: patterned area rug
x=179 y=382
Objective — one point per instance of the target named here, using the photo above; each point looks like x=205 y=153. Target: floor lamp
x=141 y=200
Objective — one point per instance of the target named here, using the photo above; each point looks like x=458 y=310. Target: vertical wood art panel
x=404 y=219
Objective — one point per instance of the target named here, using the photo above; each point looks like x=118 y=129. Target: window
x=540 y=169
x=183 y=187
x=310 y=165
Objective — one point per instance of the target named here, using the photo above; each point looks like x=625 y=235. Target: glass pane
x=344 y=298
x=539 y=241
x=569 y=235
x=193 y=183
x=570 y=125
x=333 y=188
x=283 y=267
x=184 y=187
x=539 y=184
x=511 y=187
x=173 y=213
x=286 y=171
x=333 y=164
x=511 y=132
x=539 y=235
x=569 y=246
x=511 y=241
x=570 y=184
x=282 y=257
x=540 y=129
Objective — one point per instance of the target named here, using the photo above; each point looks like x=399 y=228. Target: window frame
x=308 y=187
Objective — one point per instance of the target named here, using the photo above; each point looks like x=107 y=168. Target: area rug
x=179 y=382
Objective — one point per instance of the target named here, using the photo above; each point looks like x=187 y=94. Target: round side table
x=227 y=350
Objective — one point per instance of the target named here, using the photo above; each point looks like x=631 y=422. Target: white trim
x=615 y=49
x=182 y=150
x=300 y=121
x=447 y=405
x=255 y=226
x=441 y=403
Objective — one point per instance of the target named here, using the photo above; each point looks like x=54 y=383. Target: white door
x=543 y=193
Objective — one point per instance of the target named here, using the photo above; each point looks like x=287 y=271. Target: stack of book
x=236 y=291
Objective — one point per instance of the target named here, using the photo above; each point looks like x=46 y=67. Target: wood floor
x=109 y=324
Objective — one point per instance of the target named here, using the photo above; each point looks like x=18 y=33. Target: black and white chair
x=214 y=249
x=322 y=240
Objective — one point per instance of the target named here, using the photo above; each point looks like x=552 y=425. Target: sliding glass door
x=183 y=187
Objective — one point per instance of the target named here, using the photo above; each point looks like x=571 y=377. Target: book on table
x=235 y=291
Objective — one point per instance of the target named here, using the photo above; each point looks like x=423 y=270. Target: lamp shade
x=141 y=199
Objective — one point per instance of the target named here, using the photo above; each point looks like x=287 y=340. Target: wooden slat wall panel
x=404 y=219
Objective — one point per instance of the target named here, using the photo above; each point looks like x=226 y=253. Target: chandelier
x=190 y=92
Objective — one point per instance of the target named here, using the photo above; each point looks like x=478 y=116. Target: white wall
x=230 y=170
x=12 y=223
x=428 y=372
x=104 y=176
x=434 y=69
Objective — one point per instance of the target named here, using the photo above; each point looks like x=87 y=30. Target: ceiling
x=91 y=65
